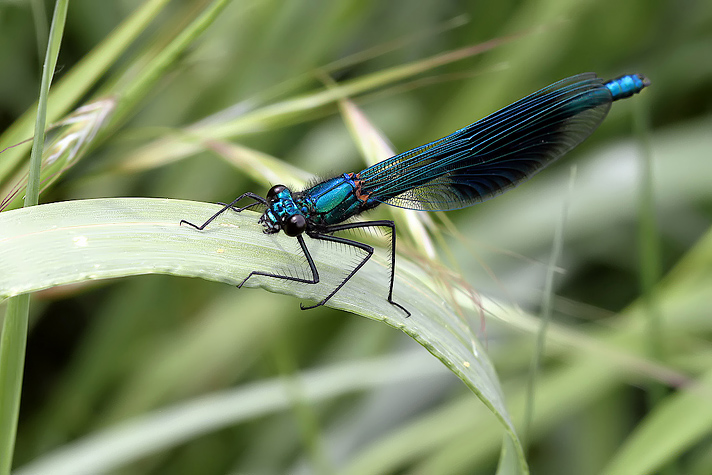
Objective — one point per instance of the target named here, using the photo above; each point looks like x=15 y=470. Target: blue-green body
x=335 y=200
x=473 y=164
x=327 y=203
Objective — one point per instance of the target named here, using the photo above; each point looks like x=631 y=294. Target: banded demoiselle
x=475 y=163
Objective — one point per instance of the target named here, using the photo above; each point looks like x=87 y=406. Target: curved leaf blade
x=79 y=241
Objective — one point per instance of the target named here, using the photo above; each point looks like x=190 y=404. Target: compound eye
x=274 y=191
x=295 y=225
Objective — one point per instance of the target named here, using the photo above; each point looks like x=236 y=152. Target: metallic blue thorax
x=335 y=200
x=326 y=203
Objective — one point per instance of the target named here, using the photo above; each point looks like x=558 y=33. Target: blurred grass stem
x=14 y=333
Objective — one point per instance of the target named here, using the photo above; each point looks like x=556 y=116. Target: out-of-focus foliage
x=207 y=125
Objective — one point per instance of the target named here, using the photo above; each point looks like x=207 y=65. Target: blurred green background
x=108 y=352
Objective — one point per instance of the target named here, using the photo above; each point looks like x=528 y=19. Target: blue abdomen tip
x=626 y=86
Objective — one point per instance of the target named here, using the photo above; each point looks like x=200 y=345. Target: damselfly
x=469 y=166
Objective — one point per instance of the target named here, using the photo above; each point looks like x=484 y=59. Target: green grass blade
x=650 y=256
x=546 y=311
x=168 y=427
x=80 y=130
x=78 y=81
x=289 y=111
x=15 y=324
x=676 y=423
x=69 y=242
x=12 y=362
x=285 y=112
x=161 y=64
x=68 y=142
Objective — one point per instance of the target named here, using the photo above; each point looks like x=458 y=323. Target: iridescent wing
x=494 y=154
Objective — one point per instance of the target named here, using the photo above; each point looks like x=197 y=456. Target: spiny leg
x=258 y=200
x=312 y=266
x=237 y=210
x=365 y=247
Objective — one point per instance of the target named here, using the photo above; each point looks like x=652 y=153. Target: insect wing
x=494 y=154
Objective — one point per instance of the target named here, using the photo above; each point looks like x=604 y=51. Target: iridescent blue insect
x=475 y=163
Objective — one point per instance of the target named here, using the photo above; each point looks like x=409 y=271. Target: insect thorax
x=335 y=200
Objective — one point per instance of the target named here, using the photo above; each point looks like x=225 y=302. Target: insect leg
x=365 y=247
x=312 y=266
x=258 y=200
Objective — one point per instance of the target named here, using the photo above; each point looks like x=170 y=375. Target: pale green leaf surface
x=508 y=463
x=69 y=242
